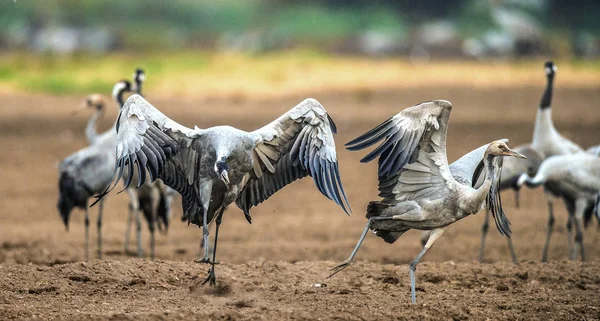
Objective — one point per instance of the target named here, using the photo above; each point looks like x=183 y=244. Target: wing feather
x=412 y=156
x=297 y=144
x=149 y=140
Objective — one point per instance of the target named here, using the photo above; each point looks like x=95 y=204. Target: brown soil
x=269 y=267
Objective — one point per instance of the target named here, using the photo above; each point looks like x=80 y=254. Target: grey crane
x=549 y=142
x=576 y=178
x=214 y=167
x=546 y=142
x=85 y=173
x=415 y=182
x=152 y=198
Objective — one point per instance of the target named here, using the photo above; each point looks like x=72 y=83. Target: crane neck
x=119 y=100
x=91 y=131
x=543 y=128
x=475 y=202
x=490 y=177
x=546 y=101
x=138 y=86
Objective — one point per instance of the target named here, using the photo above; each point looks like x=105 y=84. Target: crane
x=214 y=167
x=88 y=172
x=415 y=182
x=576 y=178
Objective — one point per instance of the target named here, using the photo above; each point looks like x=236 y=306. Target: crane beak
x=80 y=109
x=515 y=154
x=225 y=178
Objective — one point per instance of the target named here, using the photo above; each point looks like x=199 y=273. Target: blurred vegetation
x=289 y=72
x=154 y=24
x=262 y=46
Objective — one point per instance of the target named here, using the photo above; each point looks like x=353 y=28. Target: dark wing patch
x=494 y=202
x=156 y=150
x=398 y=147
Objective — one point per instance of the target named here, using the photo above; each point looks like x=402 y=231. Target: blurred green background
x=517 y=27
x=45 y=45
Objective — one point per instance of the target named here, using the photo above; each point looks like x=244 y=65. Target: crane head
x=221 y=168
x=139 y=76
x=92 y=101
x=550 y=68
x=500 y=148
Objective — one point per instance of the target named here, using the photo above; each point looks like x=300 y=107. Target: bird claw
x=211 y=279
x=338 y=268
x=206 y=261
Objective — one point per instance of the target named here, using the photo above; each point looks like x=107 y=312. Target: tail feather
x=375 y=209
x=71 y=194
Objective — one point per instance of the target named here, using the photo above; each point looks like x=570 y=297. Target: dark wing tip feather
x=373 y=134
x=477 y=173
x=495 y=202
x=332 y=124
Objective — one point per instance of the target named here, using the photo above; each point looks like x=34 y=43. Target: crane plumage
x=214 y=167
x=576 y=178
x=416 y=182
x=546 y=142
x=86 y=173
x=549 y=142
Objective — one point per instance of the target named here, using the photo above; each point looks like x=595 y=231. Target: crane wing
x=468 y=169
x=151 y=141
x=297 y=144
x=412 y=157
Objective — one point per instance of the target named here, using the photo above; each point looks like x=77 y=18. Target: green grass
x=88 y=73
x=196 y=73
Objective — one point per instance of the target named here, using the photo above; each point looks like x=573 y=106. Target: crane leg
x=201 y=248
x=128 y=228
x=99 y=226
x=205 y=195
x=484 y=229
x=517 y=203
x=211 y=279
x=205 y=233
x=87 y=232
x=597 y=210
x=202 y=245
x=578 y=221
x=570 y=222
x=424 y=237
x=511 y=248
x=435 y=234
x=549 y=232
x=570 y=237
x=134 y=207
x=138 y=234
x=347 y=262
x=152 y=228
x=153 y=219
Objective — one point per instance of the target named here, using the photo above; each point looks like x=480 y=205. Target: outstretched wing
x=149 y=140
x=297 y=144
x=412 y=157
